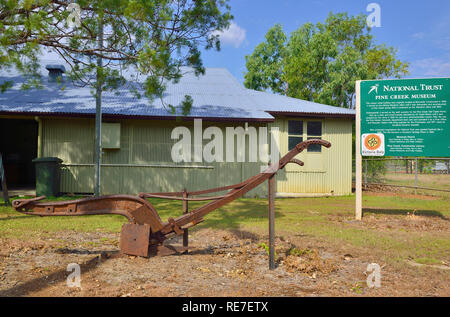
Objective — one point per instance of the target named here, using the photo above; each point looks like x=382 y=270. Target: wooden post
x=358 y=157
x=3 y=182
x=272 y=222
x=185 y=211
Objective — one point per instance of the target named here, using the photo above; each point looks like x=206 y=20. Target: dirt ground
x=220 y=263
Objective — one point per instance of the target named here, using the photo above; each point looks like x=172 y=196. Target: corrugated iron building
x=58 y=121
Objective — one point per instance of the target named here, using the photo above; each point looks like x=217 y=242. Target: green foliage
x=358 y=287
x=376 y=168
x=155 y=38
x=426 y=166
x=321 y=62
x=299 y=252
x=186 y=104
x=5 y=85
x=266 y=247
x=265 y=64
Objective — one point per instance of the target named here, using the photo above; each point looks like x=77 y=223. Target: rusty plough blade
x=145 y=233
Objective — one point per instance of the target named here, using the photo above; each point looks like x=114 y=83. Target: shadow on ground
x=40 y=283
x=404 y=212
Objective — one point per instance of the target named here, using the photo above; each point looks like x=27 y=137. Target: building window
x=295 y=133
x=314 y=131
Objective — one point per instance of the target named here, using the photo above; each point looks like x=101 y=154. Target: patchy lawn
x=321 y=250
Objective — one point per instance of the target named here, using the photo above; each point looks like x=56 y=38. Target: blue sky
x=420 y=30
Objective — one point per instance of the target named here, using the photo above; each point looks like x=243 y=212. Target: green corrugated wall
x=143 y=163
x=328 y=172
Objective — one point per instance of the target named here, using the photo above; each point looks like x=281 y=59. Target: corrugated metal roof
x=217 y=94
x=279 y=103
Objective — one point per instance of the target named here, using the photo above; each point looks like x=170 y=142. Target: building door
x=18 y=145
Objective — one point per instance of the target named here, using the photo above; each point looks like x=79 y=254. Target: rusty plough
x=145 y=232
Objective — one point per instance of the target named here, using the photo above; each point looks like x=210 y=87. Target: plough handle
x=20 y=203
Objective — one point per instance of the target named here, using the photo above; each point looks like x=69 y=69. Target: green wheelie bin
x=48 y=176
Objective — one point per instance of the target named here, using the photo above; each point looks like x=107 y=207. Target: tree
x=155 y=38
x=321 y=62
x=265 y=66
x=152 y=37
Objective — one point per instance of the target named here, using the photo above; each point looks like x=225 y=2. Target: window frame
x=314 y=148
x=289 y=135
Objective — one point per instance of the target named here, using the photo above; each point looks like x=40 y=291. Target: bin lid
x=47 y=159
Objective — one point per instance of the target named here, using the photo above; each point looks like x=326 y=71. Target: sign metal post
x=272 y=222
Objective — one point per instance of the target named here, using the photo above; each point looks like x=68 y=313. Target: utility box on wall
x=111 y=136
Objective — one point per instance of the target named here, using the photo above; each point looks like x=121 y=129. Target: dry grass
x=438 y=181
x=307 y=261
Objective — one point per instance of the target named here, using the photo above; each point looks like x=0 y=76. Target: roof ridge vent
x=55 y=72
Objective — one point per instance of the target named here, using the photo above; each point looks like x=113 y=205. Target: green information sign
x=407 y=117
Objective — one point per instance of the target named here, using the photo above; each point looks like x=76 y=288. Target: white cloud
x=234 y=35
x=433 y=67
x=419 y=35
x=443 y=42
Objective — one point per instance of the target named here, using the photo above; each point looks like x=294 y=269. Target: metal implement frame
x=145 y=232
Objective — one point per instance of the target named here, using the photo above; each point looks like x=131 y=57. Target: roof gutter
x=136 y=117
x=312 y=114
